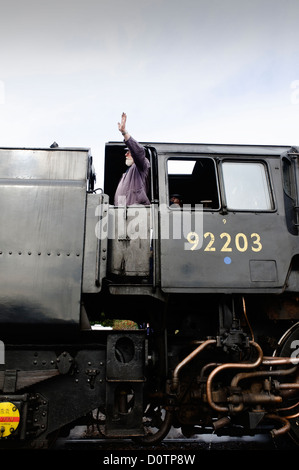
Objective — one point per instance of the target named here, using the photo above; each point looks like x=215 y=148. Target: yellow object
x=9 y=418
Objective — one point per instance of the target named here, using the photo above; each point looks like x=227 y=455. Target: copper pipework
x=285 y=425
x=288 y=386
x=276 y=360
x=220 y=423
x=237 y=365
x=254 y=399
x=260 y=373
x=296 y=415
x=175 y=376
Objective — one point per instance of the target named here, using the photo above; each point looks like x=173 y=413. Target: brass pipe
x=259 y=373
x=233 y=365
x=287 y=386
x=285 y=425
x=220 y=423
x=293 y=416
x=246 y=318
x=184 y=362
x=208 y=366
x=254 y=399
x=288 y=408
x=276 y=360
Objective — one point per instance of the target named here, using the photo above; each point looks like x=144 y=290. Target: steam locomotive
x=136 y=319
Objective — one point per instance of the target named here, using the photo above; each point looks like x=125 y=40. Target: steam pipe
x=276 y=360
x=233 y=365
x=184 y=362
x=285 y=425
x=288 y=386
x=260 y=373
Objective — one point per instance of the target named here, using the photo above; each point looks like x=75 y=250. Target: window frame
x=268 y=182
x=194 y=157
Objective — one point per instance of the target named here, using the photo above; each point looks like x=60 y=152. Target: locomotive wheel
x=157 y=423
x=289 y=347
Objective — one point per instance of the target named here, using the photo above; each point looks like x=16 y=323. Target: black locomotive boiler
x=139 y=318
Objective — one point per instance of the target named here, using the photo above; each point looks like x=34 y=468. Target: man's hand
x=122 y=124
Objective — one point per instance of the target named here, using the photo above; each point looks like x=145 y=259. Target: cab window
x=246 y=186
x=194 y=180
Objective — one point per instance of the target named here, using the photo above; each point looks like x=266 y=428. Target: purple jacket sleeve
x=138 y=154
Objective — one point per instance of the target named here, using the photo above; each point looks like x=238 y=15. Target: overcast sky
x=211 y=71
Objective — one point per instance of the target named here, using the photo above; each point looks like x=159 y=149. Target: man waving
x=134 y=183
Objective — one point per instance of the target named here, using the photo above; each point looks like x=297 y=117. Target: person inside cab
x=134 y=183
x=176 y=201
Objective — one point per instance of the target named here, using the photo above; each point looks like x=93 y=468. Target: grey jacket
x=133 y=185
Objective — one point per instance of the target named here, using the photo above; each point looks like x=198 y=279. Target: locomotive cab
x=227 y=241
x=234 y=199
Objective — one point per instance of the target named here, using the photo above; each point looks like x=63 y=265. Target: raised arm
x=137 y=151
x=122 y=126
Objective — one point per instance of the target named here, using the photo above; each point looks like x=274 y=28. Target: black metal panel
x=42 y=215
x=125 y=356
x=125 y=378
x=235 y=250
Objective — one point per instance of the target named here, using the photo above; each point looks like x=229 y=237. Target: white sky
x=213 y=71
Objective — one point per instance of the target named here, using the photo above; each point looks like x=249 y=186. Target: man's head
x=176 y=199
x=129 y=158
